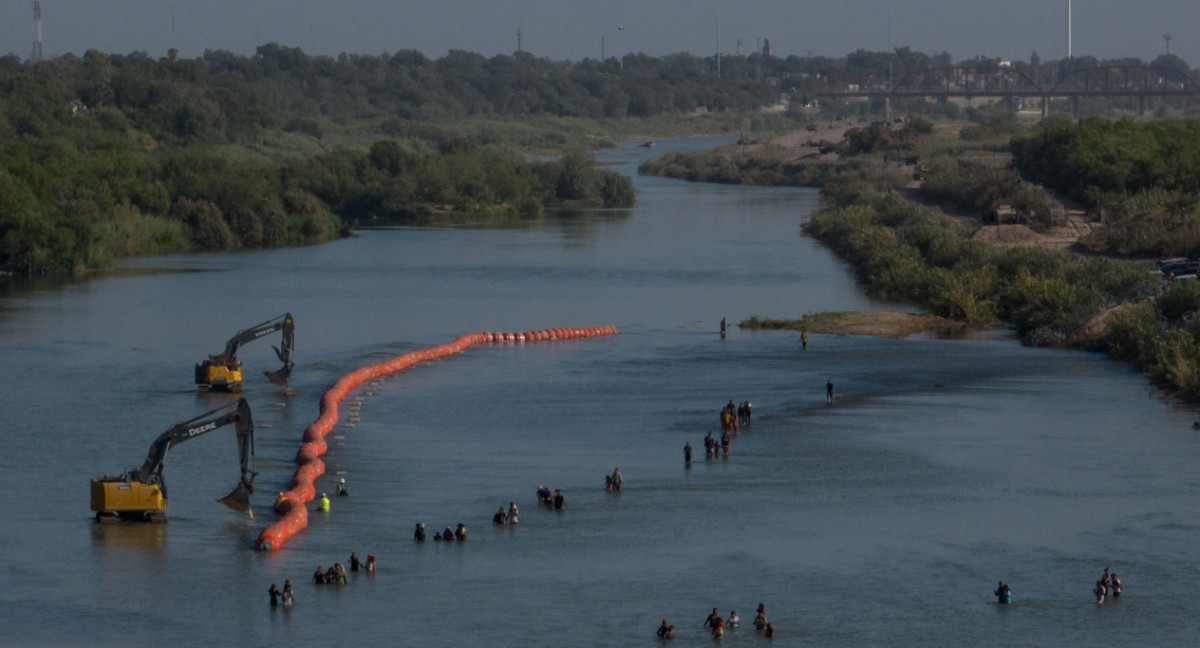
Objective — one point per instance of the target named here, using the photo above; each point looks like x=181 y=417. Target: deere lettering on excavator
x=141 y=493
x=223 y=372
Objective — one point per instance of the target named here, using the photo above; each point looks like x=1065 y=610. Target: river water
x=885 y=518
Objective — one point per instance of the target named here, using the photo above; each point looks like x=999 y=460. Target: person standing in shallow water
x=760 y=617
x=687 y=452
x=803 y=340
x=722 y=327
x=828 y=391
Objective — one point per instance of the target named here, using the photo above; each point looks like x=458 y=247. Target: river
x=886 y=518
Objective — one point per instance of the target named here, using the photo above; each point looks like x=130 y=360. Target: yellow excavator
x=223 y=372
x=141 y=493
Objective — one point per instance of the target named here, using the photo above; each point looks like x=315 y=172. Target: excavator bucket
x=239 y=499
x=279 y=377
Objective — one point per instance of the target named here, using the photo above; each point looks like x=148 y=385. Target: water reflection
x=141 y=537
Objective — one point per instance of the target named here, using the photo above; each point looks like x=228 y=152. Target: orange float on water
x=294 y=513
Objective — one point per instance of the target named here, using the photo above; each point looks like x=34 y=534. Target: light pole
x=1068 y=30
x=620 y=48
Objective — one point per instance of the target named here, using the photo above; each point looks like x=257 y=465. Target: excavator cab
x=223 y=371
x=218 y=375
x=116 y=498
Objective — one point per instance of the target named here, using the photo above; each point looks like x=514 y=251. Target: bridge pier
x=1045 y=106
x=1075 y=106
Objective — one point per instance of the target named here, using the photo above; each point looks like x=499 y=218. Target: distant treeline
x=104 y=155
x=222 y=96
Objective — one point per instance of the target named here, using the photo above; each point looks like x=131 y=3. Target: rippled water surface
x=883 y=519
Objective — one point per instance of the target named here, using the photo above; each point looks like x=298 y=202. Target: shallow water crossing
x=887 y=517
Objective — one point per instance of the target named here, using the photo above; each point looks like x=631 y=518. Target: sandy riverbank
x=893 y=324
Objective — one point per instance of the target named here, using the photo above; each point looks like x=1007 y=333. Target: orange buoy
x=294 y=513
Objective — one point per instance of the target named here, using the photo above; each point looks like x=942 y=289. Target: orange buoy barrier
x=302 y=490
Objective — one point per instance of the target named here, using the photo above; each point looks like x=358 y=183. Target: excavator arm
x=224 y=370
x=239 y=414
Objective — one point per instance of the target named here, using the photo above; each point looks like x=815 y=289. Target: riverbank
x=892 y=324
x=1029 y=268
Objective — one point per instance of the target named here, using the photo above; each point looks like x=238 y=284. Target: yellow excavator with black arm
x=223 y=372
x=141 y=493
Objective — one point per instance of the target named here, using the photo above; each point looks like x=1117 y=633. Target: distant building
x=766 y=51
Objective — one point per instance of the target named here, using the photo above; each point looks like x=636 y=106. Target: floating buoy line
x=292 y=505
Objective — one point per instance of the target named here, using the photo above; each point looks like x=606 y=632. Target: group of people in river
x=717 y=625
x=336 y=574
x=732 y=417
x=510 y=517
x=323 y=503
x=1109 y=586
x=286 y=595
x=501 y=517
x=615 y=481
x=555 y=501
x=457 y=534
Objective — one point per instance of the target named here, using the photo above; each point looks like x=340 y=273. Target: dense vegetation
x=901 y=250
x=905 y=251
x=110 y=156
x=984 y=190
x=103 y=156
x=1143 y=178
x=1162 y=337
x=758 y=169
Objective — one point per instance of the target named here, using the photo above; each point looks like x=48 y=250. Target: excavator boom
x=223 y=371
x=142 y=492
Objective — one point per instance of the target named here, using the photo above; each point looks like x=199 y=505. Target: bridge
x=1008 y=85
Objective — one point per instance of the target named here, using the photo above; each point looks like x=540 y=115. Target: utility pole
x=1068 y=30
x=1167 y=37
x=620 y=48
x=718 y=46
x=758 y=50
x=36 y=55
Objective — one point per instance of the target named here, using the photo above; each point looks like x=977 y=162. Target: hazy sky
x=575 y=29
